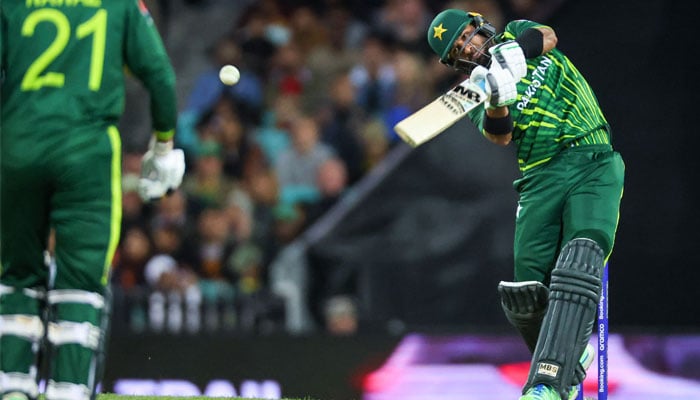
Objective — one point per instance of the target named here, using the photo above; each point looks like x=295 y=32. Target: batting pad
x=568 y=323
x=21 y=330
x=75 y=334
x=524 y=304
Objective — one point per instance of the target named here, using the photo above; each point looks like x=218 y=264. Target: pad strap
x=82 y=333
x=19 y=382
x=76 y=296
x=25 y=326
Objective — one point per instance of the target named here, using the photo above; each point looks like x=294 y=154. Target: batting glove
x=509 y=55
x=500 y=85
x=162 y=170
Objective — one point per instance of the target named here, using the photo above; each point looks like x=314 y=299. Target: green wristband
x=164 y=136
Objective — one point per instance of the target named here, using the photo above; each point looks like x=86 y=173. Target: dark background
x=635 y=54
x=428 y=245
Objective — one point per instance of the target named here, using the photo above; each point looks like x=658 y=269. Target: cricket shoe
x=15 y=396
x=541 y=392
x=586 y=360
x=546 y=392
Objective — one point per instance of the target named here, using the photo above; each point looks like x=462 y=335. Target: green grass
x=112 y=396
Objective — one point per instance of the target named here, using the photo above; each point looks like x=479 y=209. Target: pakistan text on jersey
x=63 y=3
x=538 y=76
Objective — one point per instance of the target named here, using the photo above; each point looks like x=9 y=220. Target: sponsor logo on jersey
x=538 y=76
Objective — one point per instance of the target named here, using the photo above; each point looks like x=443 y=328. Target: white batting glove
x=478 y=75
x=162 y=170
x=509 y=55
x=500 y=85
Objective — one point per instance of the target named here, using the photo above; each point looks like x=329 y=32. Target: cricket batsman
x=569 y=191
x=63 y=66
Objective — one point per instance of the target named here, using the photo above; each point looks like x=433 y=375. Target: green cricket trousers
x=576 y=194
x=69 y=182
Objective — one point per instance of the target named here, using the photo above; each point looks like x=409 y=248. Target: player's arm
x=498 y=115
x=147 y=59
x=162 y=166
x=536 y=41
x=497 y=124
x=549 y=38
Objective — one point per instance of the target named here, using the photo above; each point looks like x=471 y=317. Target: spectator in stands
x=273 y=134
x=375 y=142
x=174 y=298
x=174 y=282
x=341 y=120
x=407 y=21
x=207 y=252
x=332 y=181
x=340 y=315
x=374 y=76
x=297 y=167
x=133 y=252
x=246 y=266
x=307 y=30
x=175 y=210
x=248 y=93
x=277 y=28
x=257 y=49
x=259 y=310
x=264 y=192
x=412 y=89
x=336 y=56
x=240 y=154
x=289 y=223
x=207 y=185
x=288 y=73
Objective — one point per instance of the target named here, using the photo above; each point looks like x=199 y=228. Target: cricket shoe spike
x=586 y=360
x=541 y=392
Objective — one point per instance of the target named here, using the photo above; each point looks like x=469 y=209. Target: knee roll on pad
x=568 y=323
x=524 y=304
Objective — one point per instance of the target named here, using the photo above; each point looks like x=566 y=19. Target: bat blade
x=440 y=114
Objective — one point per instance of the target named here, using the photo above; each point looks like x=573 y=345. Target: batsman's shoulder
x=519 y=25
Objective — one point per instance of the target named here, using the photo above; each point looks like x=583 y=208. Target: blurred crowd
x=322 y=84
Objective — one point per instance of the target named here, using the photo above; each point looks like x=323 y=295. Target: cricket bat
x=441 y=113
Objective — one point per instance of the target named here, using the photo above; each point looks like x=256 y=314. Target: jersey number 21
x=36 y=76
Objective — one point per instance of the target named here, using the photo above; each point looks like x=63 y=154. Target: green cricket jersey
x=555 y=107
x=65 y=65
